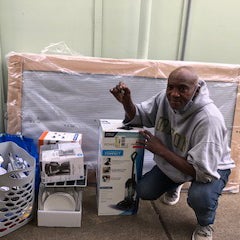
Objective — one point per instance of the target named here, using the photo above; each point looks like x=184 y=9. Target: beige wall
x=214 y=32
x=153 y=29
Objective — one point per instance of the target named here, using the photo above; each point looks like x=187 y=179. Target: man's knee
x=144 y=192
x=199 y=199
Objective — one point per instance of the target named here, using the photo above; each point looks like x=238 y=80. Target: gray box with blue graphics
x=120 y=162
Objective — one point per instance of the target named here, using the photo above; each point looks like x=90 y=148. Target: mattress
x=71 y=94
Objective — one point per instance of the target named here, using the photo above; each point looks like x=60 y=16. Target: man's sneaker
x=172 y=197
x=202 y=233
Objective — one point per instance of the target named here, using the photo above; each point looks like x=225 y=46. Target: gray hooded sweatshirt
x=198 y=133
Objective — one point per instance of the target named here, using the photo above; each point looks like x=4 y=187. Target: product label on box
x=112 y=152
x=59 y=137
x=117 y=183
x=61 y=162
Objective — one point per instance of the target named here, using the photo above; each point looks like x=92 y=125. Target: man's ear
x=198 y=89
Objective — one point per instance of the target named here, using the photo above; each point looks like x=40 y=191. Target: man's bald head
x=185 y=72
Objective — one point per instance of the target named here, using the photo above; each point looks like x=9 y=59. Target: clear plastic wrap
x=71 y=93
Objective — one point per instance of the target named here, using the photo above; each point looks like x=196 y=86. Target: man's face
x=179 y=90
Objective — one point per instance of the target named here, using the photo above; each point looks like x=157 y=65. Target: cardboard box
x=48 y=137
x=59 y=218
x=120 y=164
x=61 y=162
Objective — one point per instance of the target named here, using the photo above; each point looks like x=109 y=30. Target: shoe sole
x=174 y=202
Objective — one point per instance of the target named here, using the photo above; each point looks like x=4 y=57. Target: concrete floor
x=154 y=221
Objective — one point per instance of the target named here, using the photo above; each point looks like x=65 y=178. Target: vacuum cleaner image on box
x=129 y=201
x=55 y=168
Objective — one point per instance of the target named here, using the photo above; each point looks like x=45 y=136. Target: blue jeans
x=202 y=197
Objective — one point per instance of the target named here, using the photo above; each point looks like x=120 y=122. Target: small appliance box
x=61 y=162
x=120 y=163
x=48 y=137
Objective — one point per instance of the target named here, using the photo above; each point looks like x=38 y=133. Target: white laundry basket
x=16 y=190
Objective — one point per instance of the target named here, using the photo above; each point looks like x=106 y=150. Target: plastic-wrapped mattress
x=71 y=93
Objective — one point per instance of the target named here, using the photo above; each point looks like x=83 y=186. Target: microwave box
x=48 y=137
x=120 y=163
x=61 y=162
